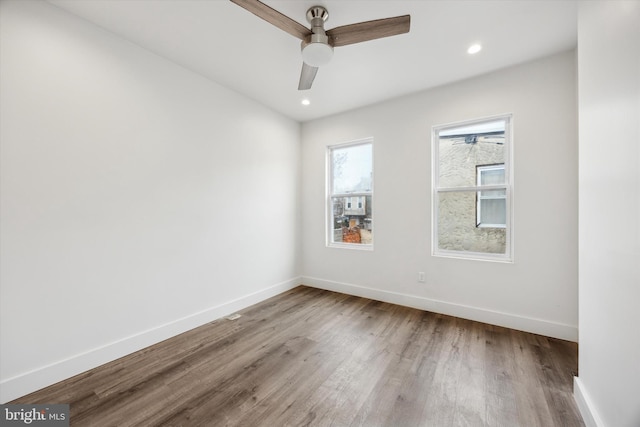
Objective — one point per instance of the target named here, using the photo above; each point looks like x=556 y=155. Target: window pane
x=493 y=212
x=351 y=219
x=492 y=194
x=462 y=149
x=492 y=176
x=352 y=168
x=457 y=230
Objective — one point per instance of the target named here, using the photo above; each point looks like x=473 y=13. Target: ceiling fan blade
x=307 y=75
x=369 y=30
x=274 y=17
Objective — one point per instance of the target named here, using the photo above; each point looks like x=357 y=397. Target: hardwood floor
x=309 y=357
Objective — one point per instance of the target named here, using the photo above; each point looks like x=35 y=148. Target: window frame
x=329 y=222
x=508 y=186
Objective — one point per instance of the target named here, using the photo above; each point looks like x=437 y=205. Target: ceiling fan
x=318 y=44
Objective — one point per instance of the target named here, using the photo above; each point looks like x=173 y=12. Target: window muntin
x=472 y=189
x=350 y=199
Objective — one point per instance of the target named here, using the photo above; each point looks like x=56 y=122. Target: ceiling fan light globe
x=317 y=54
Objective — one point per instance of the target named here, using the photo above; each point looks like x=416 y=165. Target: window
x=491 y=206
x=472 y=189
x=350 y=198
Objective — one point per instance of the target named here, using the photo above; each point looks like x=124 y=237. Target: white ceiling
x=235 y=48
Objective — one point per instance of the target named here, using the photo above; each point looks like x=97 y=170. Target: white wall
x=138 y=199
x=538 y=292
x=609 y=105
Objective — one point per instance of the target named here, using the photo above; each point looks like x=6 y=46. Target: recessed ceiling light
x=474 y=48
x=305 y=102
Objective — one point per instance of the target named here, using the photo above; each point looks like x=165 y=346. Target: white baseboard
x=585 y=406
x=513 y=321
x=28 y=382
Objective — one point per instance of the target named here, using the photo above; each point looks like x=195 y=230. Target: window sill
x=353 y=246
x=474 y=256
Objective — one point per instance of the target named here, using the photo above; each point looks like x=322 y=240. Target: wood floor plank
x=500 y=391
x=310 y=357
x=470 y=391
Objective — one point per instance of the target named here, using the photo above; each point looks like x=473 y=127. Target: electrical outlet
x=421 y=278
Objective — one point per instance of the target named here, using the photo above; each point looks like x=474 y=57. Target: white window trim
x=329 y=185
x=508 y=256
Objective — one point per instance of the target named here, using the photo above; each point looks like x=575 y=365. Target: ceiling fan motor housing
x=317 y=51
x=317 y=12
